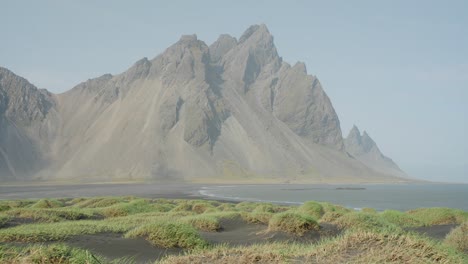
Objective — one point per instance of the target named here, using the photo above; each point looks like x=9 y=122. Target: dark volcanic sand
x=147 y=190
x=236 y=232
x=114 y=246
x=435 y=232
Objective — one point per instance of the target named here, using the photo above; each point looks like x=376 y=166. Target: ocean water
x=378 y=196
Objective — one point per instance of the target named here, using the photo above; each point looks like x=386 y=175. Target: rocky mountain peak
x=364 y=148
x=183 y=61
x=20 y=100
x=233 y=111
x=257 y=32
x=221 y=46
x=254 y=54
x=357 y=143
x=367 y=142
x=300 y=67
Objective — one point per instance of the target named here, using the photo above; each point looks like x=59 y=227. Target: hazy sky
x=397 y=69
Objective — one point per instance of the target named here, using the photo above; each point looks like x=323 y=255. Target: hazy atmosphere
x=398 y=70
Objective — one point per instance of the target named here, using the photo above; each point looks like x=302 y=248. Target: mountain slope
x=25 y=130
x=363 y=148
x=231 y=111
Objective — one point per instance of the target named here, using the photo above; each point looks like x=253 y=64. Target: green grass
x=178 y=223
x=56 y=253
x=45 y=203
x=352 y=247
x=401 y=219
x=96 y=202
x=4 y=219
x=203 y=222
x=257 y=217
x=130 y=208
x=246 y=206
x=51 y=215
x=292 y=222
x=364 y=221
x=312 y=209
x=169 y=234
x=439 y=216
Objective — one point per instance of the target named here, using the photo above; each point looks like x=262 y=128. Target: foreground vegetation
x=360 y=237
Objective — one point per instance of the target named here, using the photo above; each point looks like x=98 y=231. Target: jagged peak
x=226 y=37
x=141 y=61
x=367 y=138
x=221 y=46
x=188 y=38
x=300 y=66
x=256 y=30
x=354 y=132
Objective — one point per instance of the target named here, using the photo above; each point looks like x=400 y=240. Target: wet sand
x=438 y=232
x=114 y=246
x=146 y=190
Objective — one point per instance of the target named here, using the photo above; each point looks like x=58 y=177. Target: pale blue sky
x=398 y=69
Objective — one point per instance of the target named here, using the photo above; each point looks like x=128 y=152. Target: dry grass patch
x=458 y=237
x=259 y=253
x=50 y=254
x=257 y=217
x=382 y=247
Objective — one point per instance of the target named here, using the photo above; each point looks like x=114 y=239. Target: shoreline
x=333 y=193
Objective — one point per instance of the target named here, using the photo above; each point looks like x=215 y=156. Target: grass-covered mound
x=364 y=221
x=458 y=237
x=311 y=208
x=401 y=219
x=439 y=216
x=169 y=234
x=293 y=222
x=352 y=247
x=201 y=225
x=4 y=219
x=48 y=254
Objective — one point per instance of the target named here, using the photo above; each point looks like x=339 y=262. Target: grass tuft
x=203 y=222
x=458 y=237
x=45 y=203
x=4 y=219
x=294 y=223
x=55 y=253
x=169 y=234
x=364 y=221
x=312 y=208
x=257 y=217
x=439 y=216
x=400 y=218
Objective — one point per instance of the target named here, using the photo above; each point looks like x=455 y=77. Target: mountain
x=232 y=111
x=363 y=148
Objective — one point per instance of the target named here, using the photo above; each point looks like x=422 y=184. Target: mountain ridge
x=364 y=148
x=233 y=110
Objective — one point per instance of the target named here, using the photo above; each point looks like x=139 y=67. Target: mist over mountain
x=232 y=111
x=365 y=150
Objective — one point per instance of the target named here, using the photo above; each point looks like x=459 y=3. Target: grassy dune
x=361 y=237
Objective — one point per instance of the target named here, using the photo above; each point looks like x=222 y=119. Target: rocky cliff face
x=363 y=148
x=230 y=111
x=25 y=130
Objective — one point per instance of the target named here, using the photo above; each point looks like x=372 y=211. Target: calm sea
x=379 y=196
